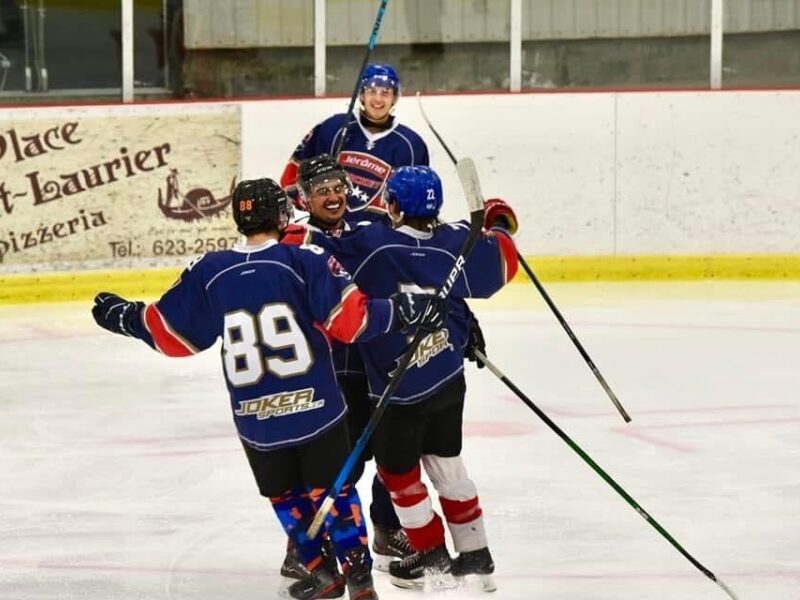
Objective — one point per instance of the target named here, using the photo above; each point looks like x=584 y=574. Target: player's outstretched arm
x=176 y=325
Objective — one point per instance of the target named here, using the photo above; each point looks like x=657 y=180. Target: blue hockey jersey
x=367 y=157
x=346 y=357
x=274 y=306
x=385 y=260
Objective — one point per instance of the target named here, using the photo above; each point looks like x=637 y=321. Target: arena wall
x=606 y=185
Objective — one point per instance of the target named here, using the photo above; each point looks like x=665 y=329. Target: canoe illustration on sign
x=197 y=203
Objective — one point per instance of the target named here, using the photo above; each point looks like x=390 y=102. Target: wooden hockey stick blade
x=319 y=518
x=468 y=175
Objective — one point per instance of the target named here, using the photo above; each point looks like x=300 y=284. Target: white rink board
x=636 y=173
x=123 y=478
x=712 y=173
x=603 y=173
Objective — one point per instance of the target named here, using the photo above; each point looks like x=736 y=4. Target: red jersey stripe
x=166 y=340
x=508 y=254
x=349 y=318
x=289 y=176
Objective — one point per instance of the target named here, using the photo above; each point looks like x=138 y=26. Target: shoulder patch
x=336 y=268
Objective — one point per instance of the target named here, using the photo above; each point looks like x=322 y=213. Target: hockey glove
x=475 y=341
x=500 y=214
x=116 y=314
x=422 y=311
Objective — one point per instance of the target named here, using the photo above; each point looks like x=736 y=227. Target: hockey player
x=374 y=143
x=424 y=419
x=274 y=307
x=323 y=185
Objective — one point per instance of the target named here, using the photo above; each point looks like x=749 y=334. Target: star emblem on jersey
x=360 y=194
x=431 y=345
x=279 y=405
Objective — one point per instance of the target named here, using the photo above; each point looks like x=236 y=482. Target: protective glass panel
x=435 y=45
x=157 y=41
x=58 y=46
x=248 y=48
x=761 y=59
x=615 y=43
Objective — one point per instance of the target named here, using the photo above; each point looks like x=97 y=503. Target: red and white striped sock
x=413 y=505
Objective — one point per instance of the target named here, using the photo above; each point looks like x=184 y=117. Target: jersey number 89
x=276 y=328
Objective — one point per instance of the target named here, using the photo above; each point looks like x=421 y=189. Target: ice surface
x=121 y=476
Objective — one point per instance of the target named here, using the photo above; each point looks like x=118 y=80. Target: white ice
x=121 y=476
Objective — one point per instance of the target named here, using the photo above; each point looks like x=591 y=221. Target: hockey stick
x=373 y=41
x=542 y=291
x=469 y=181
x=588 y=460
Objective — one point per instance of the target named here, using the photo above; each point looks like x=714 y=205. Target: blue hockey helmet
x=380 y=76
x=417 y=191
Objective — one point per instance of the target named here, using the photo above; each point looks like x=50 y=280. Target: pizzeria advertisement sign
x=87 y=188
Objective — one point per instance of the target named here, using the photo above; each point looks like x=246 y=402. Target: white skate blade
x=408 y=584
x=431 y=582
x=380 y=562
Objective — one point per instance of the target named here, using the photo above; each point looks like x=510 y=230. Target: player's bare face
x=377 y=102
x=328 y=201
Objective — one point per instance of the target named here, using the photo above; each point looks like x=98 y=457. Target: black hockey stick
x=543 y=292
x=588 y=460
x=373 y=41
x=469 y=181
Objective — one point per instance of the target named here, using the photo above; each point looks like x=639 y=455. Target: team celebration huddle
x=344 y=335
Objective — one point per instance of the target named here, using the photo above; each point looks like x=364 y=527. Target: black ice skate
x=432 y=566
x=293 y=566
x=358 y=575
x=320 y=583
x=477 y=562
x=387 y=545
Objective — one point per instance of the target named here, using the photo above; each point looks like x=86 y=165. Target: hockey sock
x=381 y=510
x=295 y=512
x=410 y=498
x=459 y=499
x=346 y=526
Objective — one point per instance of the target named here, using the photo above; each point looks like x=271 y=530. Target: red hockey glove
x=500 y=214
x=294 y=234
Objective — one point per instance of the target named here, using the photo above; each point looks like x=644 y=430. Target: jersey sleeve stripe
x=508 y=255
x=289 y=176
x=164 y=337
x=348 y=318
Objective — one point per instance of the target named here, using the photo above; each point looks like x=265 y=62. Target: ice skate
x=293 y=567
x=320 y=583
x=431 y=567
x=479 y=563
x=389 y=545
x=358 y=575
